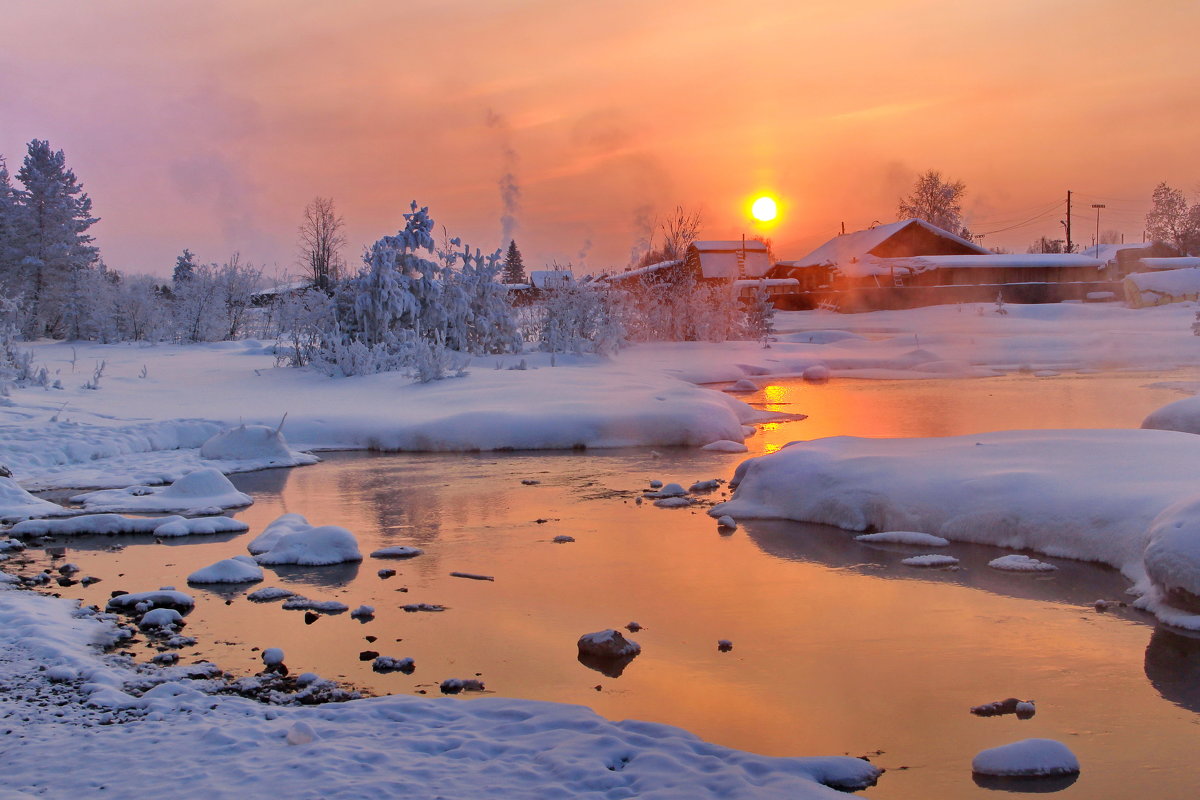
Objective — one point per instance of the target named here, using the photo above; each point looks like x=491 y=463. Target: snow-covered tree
x=303 y=321
x=1170 y=220
x=514 y=265
x=185 y=267
x=935 y=200
x=760 y=315
x=579 y=319
x=236 y=284
x=58 y=214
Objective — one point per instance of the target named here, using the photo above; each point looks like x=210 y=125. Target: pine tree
x=514 y=267
x=185 y=267
x=58 y=214
x=12 y=224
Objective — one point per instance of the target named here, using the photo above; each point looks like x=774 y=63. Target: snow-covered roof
x=873 y=265
x=1181 y=262
x=551 y=278
x=843 y=251
x=1108 y=252
x=730 y=246
x=719 y=259
x=646 y=270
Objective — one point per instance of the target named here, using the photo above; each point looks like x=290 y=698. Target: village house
x=912 y=263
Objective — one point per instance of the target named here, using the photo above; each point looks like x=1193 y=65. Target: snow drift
x=1094 y=495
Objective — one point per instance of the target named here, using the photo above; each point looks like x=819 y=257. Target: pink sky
x=210 y=125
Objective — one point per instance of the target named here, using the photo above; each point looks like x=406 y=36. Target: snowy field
x=1120 y=497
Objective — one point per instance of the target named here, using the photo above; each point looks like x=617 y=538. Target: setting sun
x=764 y=209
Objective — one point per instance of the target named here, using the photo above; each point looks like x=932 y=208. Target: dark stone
x=368 y=655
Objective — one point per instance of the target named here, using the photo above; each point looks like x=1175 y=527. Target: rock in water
x=608 y=644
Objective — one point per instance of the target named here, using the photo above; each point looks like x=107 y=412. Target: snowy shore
x=156 y=405
x=170 y=735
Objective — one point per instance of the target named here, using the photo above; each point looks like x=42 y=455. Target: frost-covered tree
x=409 y=308
x=579 y=319
x=303 y=321
x=140 y=310
x=197 y=308
x=185 y=267
x=935 y=200
x=56 y=243
x=760 y=315
x=321 y=243
x=236 y=284
x=1170 y=220
x=514 y=265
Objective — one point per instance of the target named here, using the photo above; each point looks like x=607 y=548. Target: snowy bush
x=578 y=319
x=302 y=321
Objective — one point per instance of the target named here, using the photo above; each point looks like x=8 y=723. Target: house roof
x=640 y=271
x=719 y=259
x=730 y=246
x=873 y=265
x=844 y=251
x=551 y=278
x=1178 y=262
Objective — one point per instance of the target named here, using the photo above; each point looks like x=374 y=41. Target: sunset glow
x=209 y=126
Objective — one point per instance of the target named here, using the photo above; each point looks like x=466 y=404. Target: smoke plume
x=510 y=191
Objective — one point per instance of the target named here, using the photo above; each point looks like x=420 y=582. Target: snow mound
x=272 y=656
x=1029 y=758
x=725 y=446
x=398 y=551
x=1182 y=415
x=817 y=373
x=258 y=443
x=915 y=538
x=239 y=569
x=744 y=385
x=1092 y=495
x=389 y=664
x=204 y=488
x=726 y=521
x=16 y=503
x=670 y=490
x=1020 y=563
x=301 y=603
x=113 y=524
x=931 y=560
x=162 y=618
x=673 y=502
x=314 y=547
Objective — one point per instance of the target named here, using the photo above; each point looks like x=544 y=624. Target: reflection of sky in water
x=838 y=648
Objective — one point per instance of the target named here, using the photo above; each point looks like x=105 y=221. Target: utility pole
x=1098 y=206
x=1070 y=247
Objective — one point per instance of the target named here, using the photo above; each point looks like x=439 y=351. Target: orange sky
x=210 y=125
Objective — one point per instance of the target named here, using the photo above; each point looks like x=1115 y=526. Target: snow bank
x=16 y=503
x=1089 y=495
x=112 y=524
x=1020 y=563
x=1156 y=288
x=239 y=569
x=203 y=489
x=1182 y=415
x=285 y=524
x=915 y=538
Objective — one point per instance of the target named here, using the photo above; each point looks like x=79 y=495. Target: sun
x=764 y=209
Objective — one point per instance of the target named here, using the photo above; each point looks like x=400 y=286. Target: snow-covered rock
x=727 y=522
x=1020 y=563
x=914 y=538
x=162 y=618
x=930 y=560
x=725 y=446
x=269 y=593
x=673 y=502
x=670 y=490
x=113 y=524
x=202 y=489
x=817 y=373
x=287 y=523
x=562 y=538
x=157 y=598
x=1029 y=758
x=327 y=544
x=300 y=603
x=389 y=664
x=16 y=503
x=272 y=656
x=397 y=551
x=239 y=569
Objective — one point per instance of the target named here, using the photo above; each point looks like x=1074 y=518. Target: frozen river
x=837 y=646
